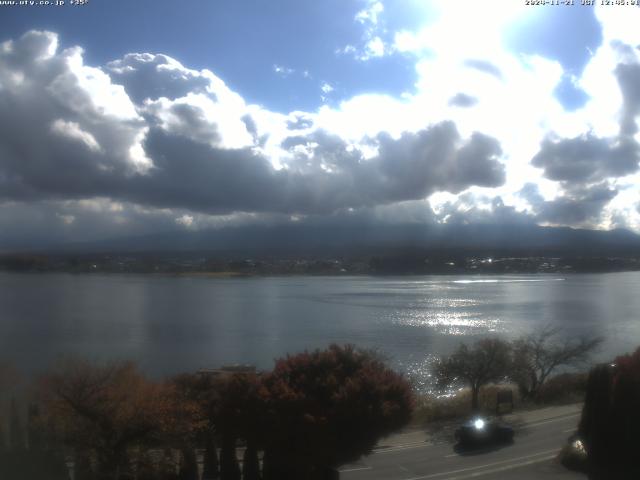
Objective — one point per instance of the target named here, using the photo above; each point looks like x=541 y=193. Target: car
x=479 y=431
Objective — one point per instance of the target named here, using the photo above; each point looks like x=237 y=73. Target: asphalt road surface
x=532 y=455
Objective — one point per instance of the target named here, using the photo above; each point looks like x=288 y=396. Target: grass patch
x=432 y=408
x=562 y=389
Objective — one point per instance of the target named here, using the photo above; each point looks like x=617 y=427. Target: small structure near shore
x=227 y=370
x=504 y=397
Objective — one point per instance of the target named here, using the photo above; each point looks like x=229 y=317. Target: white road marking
x=355 y=469
x=502 y=469
x=559 y=419
x=408 y=446
x=569 y=430
x=478 y=467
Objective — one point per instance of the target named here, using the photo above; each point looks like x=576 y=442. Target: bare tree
x=104 y=410
x=488 y=360
x=537 y=356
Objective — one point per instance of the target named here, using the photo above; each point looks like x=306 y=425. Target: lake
x=170 y=324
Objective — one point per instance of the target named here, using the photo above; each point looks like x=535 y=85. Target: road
x=417 y=456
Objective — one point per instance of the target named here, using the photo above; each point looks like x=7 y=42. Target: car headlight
x=479 y=424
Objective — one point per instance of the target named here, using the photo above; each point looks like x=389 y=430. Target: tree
x=488 y=360
x=9 y=377
x=611 y=419
x=537 y=356
x=240 y=413
x=201 y=392
x=16 y=433
x=184 y=422
x=329 y=407
x=37 y=441
x=8 y=380
x=104 y=410
x=234 y=407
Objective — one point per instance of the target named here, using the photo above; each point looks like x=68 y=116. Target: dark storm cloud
x=56 y=140
x=70 y=132
x=484 y=66
x=189 y=121
x=587 y=158
x=436 y=159
x=575 y=206
x=466 y=209
x=190 y=174
x=463 y=100
x=49 y=222
x=408 y=168
x=531 y=194
x=193 y=175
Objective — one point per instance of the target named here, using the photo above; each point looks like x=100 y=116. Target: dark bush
x=610 y=420
x=563 y=388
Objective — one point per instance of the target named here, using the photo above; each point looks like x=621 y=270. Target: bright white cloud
x=371 y=13
x=73 y=131
x=283 y=71
x=185 y=220
x=373 y=46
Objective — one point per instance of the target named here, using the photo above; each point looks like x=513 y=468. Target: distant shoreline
x=236 y=275
x=397 y=264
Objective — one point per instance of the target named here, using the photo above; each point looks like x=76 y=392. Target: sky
x=122 y=118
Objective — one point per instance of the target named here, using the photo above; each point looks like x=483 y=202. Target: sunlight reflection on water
x=450 y=322
x=519 y=280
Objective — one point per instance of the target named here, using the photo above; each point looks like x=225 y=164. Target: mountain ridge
x=318 y=239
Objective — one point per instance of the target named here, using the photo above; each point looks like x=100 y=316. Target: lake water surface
x=172 y=324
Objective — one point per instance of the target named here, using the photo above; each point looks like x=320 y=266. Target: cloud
x=371 y=13
x=326 y=87
x=73 y=131
x=587 y=158
x=469 y=208
x=68 y=131
x=578 y=205
x=159 y=145
x=148 y=76
x=410 y=167
x=462 y=100
x=628 y=76
x=484 y=66
x=199 y=147
x=283 y=71
x=299 y=121
x=46 y=222
x=373 y=45
x=185 y=220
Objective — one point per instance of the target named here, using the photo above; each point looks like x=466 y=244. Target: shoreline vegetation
x=432 y=409
x=312 y=413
